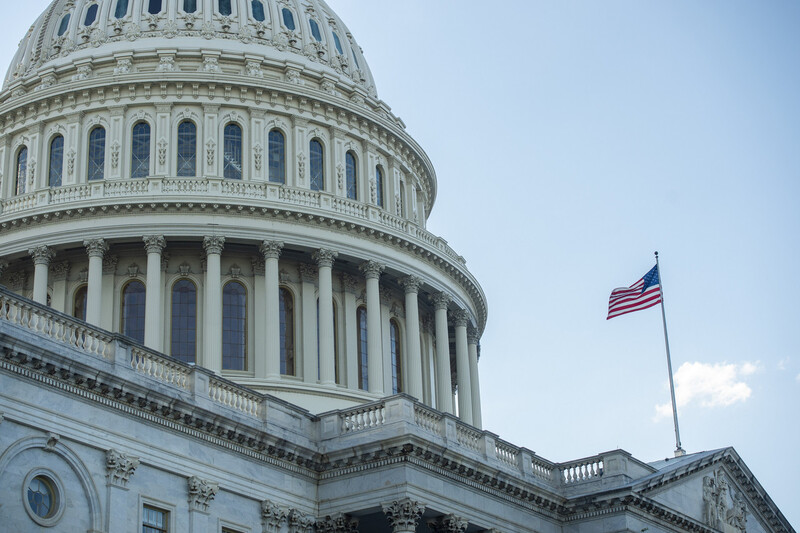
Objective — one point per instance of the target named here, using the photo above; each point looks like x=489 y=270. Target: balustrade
x=582 y=470
x=506 y=452
x=233 y=396
x=365 y=417
x=468 y=437
x=428 y=419
x=161 y=368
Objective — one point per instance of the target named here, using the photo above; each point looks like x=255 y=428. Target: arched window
x=79 y=303
x=64 y=26
x=22 y=170
x=379 y=185
x=189 y=6
x=140 y=150
x=183 y=338
x=315 y=30
x=397 y=356
x=277 y=157
x=154 y=7
x=287 y=332
x=56 y=161
x=258 y=10
x=288 y=19
x=97 y=153
x=317 y=166
x=133 y=296
x=91 y=15
x=361 y=340
x=187 y=149
x=224 y=7
x=234 y=326
x=122 y=9
x=337 y=43
x=232 y=152
x=350 y=172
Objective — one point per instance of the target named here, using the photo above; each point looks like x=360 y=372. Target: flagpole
x=679 y=451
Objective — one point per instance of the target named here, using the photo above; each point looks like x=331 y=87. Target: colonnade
x=267 y=364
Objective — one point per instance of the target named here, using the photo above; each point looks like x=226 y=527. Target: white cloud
x=783 y=362
x=710 y=385
x=798 y=378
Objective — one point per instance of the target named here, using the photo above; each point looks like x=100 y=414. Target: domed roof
x=305 y=34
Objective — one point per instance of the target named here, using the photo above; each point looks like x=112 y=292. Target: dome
x=304 y=34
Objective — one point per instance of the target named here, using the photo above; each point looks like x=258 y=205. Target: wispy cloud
x=710 y=385
x=782 y=364
x=798 y=378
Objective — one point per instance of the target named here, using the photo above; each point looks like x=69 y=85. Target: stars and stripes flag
x=643 y=294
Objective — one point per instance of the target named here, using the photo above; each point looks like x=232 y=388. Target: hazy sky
x=571 y=139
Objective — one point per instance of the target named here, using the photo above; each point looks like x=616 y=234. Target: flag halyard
x=643 y=294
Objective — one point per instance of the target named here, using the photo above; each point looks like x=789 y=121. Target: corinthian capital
x=404 y=514
x=300 y=523
x=120 y=467
x=95 y=247
x=271 y=249
x=272 y=516
x=472 y=336
x=372 y=269
x=338 y=523
x=213 y=244
x=201 y=493
x=324 y=257
x=411 y=284
x=448 y=524
x=154 y=243
x=42 y=255
x=441 y=300
x=461 y=318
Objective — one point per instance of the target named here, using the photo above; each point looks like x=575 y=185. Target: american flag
x=643 y=294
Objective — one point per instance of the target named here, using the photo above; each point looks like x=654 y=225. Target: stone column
x=403 y=515
x=308 y=276
x=350 y=329
x=444 y=386
x=411 y=285
x=95 y=248
x=461 y=318
x=472 y=343
x=372 y=271
x=42 y=255
x=272 y=251
x=107 y=299
x=119 y=469
x=327 y=351
x=212 y=345
x=153 y=320
x=59 y=272
x=448 y=524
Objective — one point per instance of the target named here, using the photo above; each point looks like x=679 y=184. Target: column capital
x=403 y=515
x=271 y=249
x=448 y=524
x=338 y=523
x=95 y=247
x=441 y=300
x=325 y=257
x=42 y=255
x=201 y=493
x=272 y=516
x=472 y=336
x=461 y=318
x=213 y=244
x=300 y=523
x=411 y=284
x=372 y=269
x=154 y=243
x=120 y=467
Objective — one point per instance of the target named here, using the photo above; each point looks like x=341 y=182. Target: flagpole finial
x=656 y=252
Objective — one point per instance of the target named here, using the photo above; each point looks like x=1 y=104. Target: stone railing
x=157 y=366
x=428 y=419
x=234 y=396
x=468 y=437
x=582 y=470
x=542 y=469
x=363 y=417
x=506 y=452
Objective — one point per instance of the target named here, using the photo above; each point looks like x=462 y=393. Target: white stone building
x=222 y=310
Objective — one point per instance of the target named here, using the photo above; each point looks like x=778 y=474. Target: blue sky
x=571 y=139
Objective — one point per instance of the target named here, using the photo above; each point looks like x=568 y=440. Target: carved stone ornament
x=349 y=283
x=59 y=271
x=460 y=318
x=162 y=151
x=338 y=523
x=235 y=271
x=3 y=267
x=371 y=269
x=284 y=276
x=95 y=247
x=272 y=516
x=70 y=162
x=110 y=264
x=403 y=515
x=83 y=275
x=210 y=151
x=201 y=493
x=301 y=166
x=16 y=280
x=411 y=284
x=300 y=523
x=154 y=244
x=52 y=441
x=308 y=273
x=84 y=72
x=124 y=65
x=324 y=257
x=120 y=467
x=210 y=65
x=184 y=269
x=42 y=255
x=115 y=149
x=340 y=176
x=293 y=76
x=472 y=336
x=253 y=69
x=258 y=265
x=213 y=244
x=448 y=524
x=271 y=249
x=720 y=511
x=133 y=270
x=441 y=300
x=167 y=64
x=258 y=157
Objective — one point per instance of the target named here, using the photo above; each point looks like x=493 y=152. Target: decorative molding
x=95 y=247
x=473 y=337
x=271 y=249
x=120 y=467
x=213 y=244
x=460 y=318
x=235 y=271
x=3 y=267
x=201 y=493
x=60 y=271
x=441 y=300
x=410 y=284
x=52 y=441
x=184 y=269
x=272 y=516
x=300 y=523
x=403 y=515
x=349 y=283
x=338 y=523
x=42 y=255
x=372 y=269
x=16 y=280
x=448 y=524
x=308 y=273
x=154 y=244
x=719 y=509
x=258 y=264
x=133 y=270
x=324 y=257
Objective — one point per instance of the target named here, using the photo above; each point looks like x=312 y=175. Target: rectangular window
x=154 y=520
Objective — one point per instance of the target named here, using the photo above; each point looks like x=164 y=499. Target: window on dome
x=121 y=9
x=397 y=356
x=317 y=166
x=79 y=302
x=277 y=157
x=258 y=10
x=232 y=152
x=287 y=332
x=224 y=7
x=140 y=150
x=91 y=15
x=22 y=170
x=361 y=340
x=315 y=29
x=183 y=338
x=355 y=59
x=352 y=185
x=338 y=44
x=62 y=28
x=154 y=7
x=187 y=149
x=379 y=185
x=234 y=326
x=133 y=297
x=97 y=153
x=56 y=161
x=288 y=19
x=189 y=6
